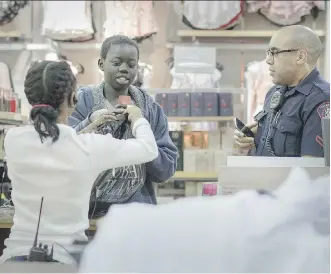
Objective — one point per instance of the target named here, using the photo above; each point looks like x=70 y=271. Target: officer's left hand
x=243 y=141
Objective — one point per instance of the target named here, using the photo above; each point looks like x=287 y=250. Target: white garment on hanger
x=258 y=83
x=246 y=232
x=195 y=80
x=212 y=14
x=54 y=57
x=67 y=20
x=130 y=18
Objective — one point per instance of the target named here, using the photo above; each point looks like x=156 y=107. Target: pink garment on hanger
x=130 y=18
x=258 y=83
x=284 y=13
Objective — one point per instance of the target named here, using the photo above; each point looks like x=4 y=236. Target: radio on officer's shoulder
x=277 y=100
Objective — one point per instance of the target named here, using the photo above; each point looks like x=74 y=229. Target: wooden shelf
x=233 y=33
x=11 y=118
x=195 y=176
x=10 y=34
x=200 y=119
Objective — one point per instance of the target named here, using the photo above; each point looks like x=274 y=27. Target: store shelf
x=233 y=33
x=41 y=47
x=223 y=46
x=195 y=176
x=10 y=34
x=200 y=119
x=10 y=118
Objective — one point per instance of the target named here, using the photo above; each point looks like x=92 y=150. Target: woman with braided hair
x=49 y=159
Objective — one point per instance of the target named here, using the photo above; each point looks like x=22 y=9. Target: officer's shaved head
x=301 y=37
x=293 y=53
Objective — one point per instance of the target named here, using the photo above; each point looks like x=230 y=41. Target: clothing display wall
x=135 y=19
x=68 y=20
x=284 y=13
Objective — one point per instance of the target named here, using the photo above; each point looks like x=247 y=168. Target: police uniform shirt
x=295 y=129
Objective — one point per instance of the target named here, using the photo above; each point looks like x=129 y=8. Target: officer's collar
x=306 y=84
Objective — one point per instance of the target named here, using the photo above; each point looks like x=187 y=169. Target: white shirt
x=63 y=173
x=247 y=232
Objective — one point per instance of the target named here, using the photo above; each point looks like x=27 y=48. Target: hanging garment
x=9 y=10
x=75 y=67
x=5 y=77
x=68 y=20
x=144 y=75
x=258 y=82
x=284 y=13
x=212 y=14
x=134 y=19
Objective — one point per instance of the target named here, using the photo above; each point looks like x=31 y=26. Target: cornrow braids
x=116 y=40
x=46 y=86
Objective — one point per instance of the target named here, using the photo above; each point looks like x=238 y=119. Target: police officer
x=290 y=123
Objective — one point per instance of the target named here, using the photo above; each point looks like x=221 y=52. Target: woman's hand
x=97 y=114
x=103 y=118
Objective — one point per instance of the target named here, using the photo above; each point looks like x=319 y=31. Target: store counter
x=36 y=267
x=265 y=173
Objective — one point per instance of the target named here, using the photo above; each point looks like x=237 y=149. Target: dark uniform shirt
x=294 y=129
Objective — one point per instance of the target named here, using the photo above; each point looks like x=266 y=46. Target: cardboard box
x=210 y=104
x=184 y=104
x=172 y=104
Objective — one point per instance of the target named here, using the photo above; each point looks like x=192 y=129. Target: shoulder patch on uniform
x=324 y=110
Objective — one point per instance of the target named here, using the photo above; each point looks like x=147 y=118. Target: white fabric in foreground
x=246 y=232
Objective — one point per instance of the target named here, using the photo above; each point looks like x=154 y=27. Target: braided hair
x=46 y=86
x=116 y=40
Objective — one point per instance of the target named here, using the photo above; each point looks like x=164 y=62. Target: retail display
x=5 y=77
x=68 y=20
x=9 y=101
x=75 y=67
x=257 y=82
x=203 y=151
x=212 y=14
x=194 y=80
x=144 y=75
x=195 y=103
x=284 y=13
x=135 y=19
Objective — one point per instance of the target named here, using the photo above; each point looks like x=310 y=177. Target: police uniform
x=290 y=123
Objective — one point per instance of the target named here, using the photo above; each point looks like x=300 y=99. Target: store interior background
x=154 y=51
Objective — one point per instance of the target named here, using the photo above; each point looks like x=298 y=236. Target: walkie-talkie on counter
x=38 y=252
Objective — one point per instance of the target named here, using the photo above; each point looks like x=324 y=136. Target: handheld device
x=242 y=128
x=38 y=252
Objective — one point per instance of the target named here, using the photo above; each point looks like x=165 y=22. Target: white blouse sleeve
x=107 y=152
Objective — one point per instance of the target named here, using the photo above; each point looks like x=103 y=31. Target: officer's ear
x=302 y=57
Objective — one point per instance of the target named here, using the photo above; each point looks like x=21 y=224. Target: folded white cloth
x=287 y=231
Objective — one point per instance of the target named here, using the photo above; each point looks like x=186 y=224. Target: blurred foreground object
x=251 y=231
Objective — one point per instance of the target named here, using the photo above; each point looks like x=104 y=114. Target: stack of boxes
x=186 y=104
x=203 y=151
